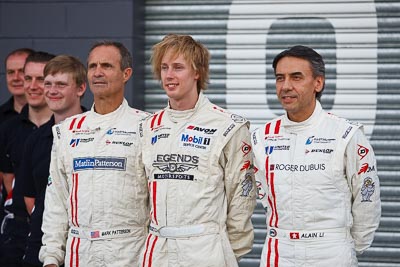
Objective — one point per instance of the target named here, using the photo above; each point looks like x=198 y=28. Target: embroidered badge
x=367 y=189
x=247 y=185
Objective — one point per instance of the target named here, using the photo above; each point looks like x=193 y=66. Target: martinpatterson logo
x=99 y=163
x=201 y=129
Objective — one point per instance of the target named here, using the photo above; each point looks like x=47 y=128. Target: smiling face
x=179 y=81
x=15 y=73
x=296 y=87
x=33 y=84
x=61 y=92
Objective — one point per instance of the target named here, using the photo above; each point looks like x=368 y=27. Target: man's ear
x=81 y=89
x=319 y=83
x=127 y=74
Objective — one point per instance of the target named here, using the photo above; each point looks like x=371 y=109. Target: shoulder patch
x=237 y=118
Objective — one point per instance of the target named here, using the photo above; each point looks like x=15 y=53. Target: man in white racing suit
x=198 y=162
x=96 y=204
x=317 y=174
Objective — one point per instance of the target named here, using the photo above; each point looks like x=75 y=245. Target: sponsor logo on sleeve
x=247 y=185
x=246 y=148
x=141 y=129
x=365 y=168
x=237 y=118
x=229 y=129
x=246 y=165
x=367 y=189
x=362 y=151
x=346 y=133
x=254 y=135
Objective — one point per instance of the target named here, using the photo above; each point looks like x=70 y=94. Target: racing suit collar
x=310 y=122
x=96 y=120
x=183 y=115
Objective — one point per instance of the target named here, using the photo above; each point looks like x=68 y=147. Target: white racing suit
x=318 y=182
x=96 y=205
x=202 y=187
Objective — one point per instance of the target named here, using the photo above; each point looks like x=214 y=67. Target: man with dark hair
x=64 y=85
x=13 y=134
x=317 y=173
x=96 y=205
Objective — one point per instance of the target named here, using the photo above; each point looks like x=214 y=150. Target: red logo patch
x=246 y=148
x=362 y=151
x=294 y=235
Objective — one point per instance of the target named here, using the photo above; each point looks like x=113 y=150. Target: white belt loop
x=185 y=231
x=309 y=235
x=103 y=234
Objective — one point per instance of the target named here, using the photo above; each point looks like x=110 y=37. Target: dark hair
x=39 y=57
x=19 y=51
x=316 y=62
x=126 y=57
x=66 y=64
x=194 y=52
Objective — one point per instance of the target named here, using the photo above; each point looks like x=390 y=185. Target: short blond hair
x=194 y=52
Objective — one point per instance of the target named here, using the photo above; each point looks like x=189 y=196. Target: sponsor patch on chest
x=198 y=142
x=99 y=163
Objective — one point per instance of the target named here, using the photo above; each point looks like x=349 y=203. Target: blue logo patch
x=310 y=140
x=99 y=163
x=74 y=142
x=269 y=149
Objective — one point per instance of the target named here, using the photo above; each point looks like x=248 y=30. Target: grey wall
x=71 y=27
